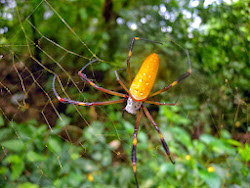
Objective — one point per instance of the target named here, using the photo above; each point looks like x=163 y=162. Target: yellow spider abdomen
x=145 y=78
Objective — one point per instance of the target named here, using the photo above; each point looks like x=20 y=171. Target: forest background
x=45 y=143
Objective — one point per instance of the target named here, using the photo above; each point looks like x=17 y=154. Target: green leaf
x=13 y=159
x=75 y=179
x=75 y=156
x=222 y=147
x=34 y=157
x=206 y=138
x=17 y=165
x=107 y=158
x=83 y=14
x=63 y=121
x=28 y=185
x=1 y=120
x=173 y=116
x=16 y=170
x=233 y=142
x=225 y=134
x=31 y=122
x=245 y=152
x=41 y=130
x=125 y=177
x=3 y=170
x=54 y=145
x=13 y=145
x=181 y=135
x=88 y=165
x=97 y=156
x=26 y=131
x=5 y=133
x=94 y=133
x=142 y=138
x=200 y=147
x=128 y=127
x=211 y=178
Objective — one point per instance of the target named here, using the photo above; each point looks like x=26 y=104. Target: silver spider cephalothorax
x=132 y=106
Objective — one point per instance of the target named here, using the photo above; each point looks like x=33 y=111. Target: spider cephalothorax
x=138 y=93
x=132 y=106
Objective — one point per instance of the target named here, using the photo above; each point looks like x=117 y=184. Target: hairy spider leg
x=65 y=100
x=160 y=103
x=164 y=144
x=182 y=77
x=84 y=78
x=130 y=53
x=133 y=154
x=120 y=82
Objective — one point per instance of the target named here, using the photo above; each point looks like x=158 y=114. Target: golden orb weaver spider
x=138 y=93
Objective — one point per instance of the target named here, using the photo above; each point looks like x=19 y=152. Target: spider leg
x=120 y=82
x=65 y=100
x=164 y=144
x=133 y=154
x=182 y=77
x=84 y=77
x=160 y=103
x=130 y=53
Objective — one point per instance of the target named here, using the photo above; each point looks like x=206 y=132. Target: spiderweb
x=22 y=82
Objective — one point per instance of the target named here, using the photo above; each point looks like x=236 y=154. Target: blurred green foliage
x=206 y=130
x=207 y=162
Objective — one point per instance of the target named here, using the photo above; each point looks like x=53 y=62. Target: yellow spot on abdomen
x=145 y=78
